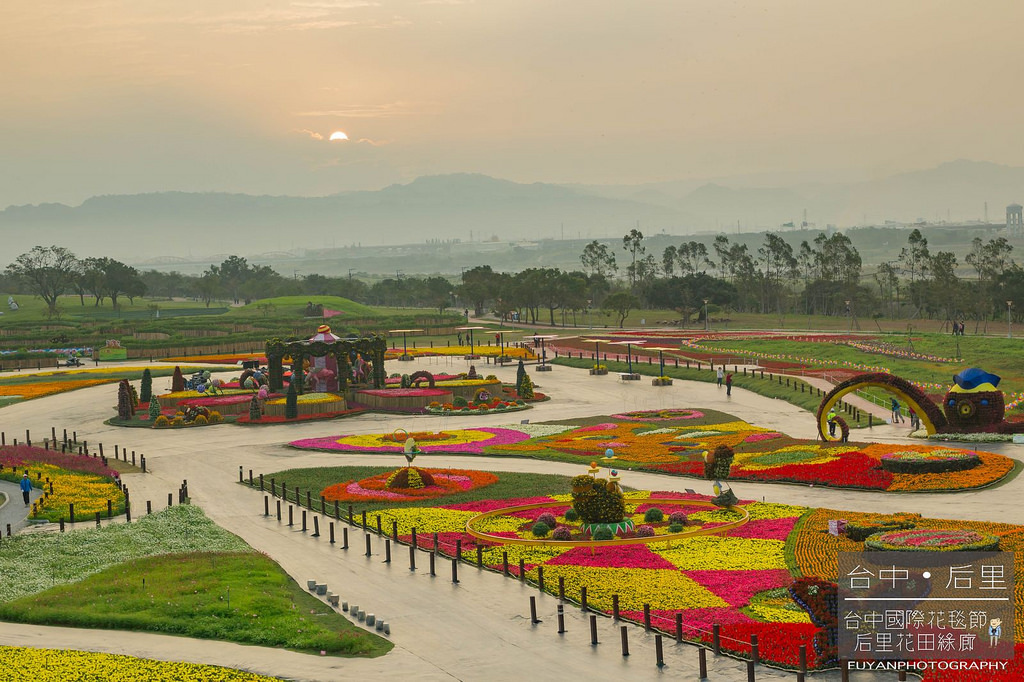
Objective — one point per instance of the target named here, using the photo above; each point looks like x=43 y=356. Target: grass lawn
x=237 y=597
x=509 y=485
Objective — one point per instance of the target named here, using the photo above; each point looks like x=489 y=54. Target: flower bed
x=402 y=398
x=672 y=442
x=307 y=404
x=375 y=488
x=932 y=540
x=935 y=462
x=458 y=351
x=64 y=665
x=76 y=479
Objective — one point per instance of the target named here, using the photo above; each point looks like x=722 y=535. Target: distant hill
x=442 y=207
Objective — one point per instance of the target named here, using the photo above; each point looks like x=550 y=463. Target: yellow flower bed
x=309 y=399
x=726 y=554
x=45 y=388
x=663 y=589
x=423 y=519
x=59 y=665
x=484 y=351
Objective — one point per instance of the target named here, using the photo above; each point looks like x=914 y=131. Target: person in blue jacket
x=26 y=488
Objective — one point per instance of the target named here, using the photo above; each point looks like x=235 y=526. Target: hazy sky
x=122 y=96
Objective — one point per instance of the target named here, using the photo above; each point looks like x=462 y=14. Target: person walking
x=915 y=422
x=26 y=488
x=896 y=416
x=721 y=374
x=831 y=419
x=728 y=384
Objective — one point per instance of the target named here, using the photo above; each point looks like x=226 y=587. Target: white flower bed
x=973 y=437
x=36 y=562
x=540 y=430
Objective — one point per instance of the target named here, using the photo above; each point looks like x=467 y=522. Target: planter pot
x=630 y=377
x=405 y=358
x=598 y=372
x=547 y=368
x=661 y=382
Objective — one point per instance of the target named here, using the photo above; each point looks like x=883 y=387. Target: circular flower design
x=659 y=415
x=932 y=540
x=436 y=483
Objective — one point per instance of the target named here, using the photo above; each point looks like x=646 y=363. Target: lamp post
x=405 y=344
x=543 y=366
x=707 y=324
x=849 y=314
x=589 y=302
x=1009 y=327
x=472 y=348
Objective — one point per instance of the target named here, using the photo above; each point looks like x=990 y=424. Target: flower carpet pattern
x=374 y=488
x=489 y=351
x=42 y=384
x=673 y=442
x=733 y=580
x=61 y=665
x=76 y=479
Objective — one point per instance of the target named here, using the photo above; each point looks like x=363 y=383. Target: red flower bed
x=851 y=470
x=375 y=488
x=14 y=456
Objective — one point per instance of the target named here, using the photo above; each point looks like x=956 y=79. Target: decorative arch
x=931 y=416
x=416 y=377
x=371 y=348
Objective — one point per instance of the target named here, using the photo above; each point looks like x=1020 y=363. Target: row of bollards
x=334 y=600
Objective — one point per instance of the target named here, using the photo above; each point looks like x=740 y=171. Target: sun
x=338 y=135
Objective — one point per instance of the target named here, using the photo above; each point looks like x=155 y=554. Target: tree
x=914 y=256
x=154 y=409
x=177 y=381
x=633 y=243
x=620 y=303
x=693 y=258
x=668 y=260
x=478 y=286
x=47 y=271
x=526 y=388
x=598 y=259
x=124 y=401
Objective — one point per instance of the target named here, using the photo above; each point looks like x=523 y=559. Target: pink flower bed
x=219 y=400
x=481 y=506
x=16 y=456
x=769 y=529
x=737 y=587
x=624 y=556
x=405 y=392
x=756 y=437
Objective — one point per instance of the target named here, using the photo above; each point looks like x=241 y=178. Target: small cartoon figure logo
x=995 y=631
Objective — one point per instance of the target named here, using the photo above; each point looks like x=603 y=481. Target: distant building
x=1015 y=219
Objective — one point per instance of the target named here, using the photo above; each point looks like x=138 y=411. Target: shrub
x=459 y=402
x=654 y=515
x=860 y=531
x=676 y=528
x=154 y=408
x=561 y=533
x=644 y=531
x=161 y=422
x=434 y=404
x=255 y=413
x=216 y=417
x=177 y=381
x=539 y=530
x=491 y=377
x=548 y=519
x=200 y=421
x=526 y=388
x=572 y=515
x=146 y=391
x=603 y=533
x=677 y=518
x=177 y=421
x=406 y=381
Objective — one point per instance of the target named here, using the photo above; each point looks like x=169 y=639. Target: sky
x=123 y=96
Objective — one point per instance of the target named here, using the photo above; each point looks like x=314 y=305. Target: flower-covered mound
x=673 y=442
x=376 y=488
x=77 y=479
x=932 y=540
x=62 y=665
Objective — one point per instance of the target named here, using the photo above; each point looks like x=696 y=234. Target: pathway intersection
x=479 y=629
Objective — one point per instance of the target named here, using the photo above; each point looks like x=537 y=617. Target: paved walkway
x=480 y=628
x=13 y=511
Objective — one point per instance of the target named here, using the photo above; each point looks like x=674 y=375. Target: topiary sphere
x=548 y=519
x=677 y=518
x=644 y=531
x=603 y=534
x=572 y=515
x=561 y=533
x=675 y=528
x=539 y=530
x=654 y=515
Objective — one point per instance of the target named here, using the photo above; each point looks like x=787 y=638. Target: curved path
x=478 y=629
x=13 y=510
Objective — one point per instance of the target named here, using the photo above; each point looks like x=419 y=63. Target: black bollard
x=624 y=636
x=540 y=577
x=754 y=653
x=615 y=607
x=504 y=563
x=368 y=553
x=561 y=588
x=750 y=671
x=458 y=549
x=561 y=619
x=522 y=570
x=412 y=558
x=679 y=627
x=716 y=639
x=261 y=482
x=387 y=551
x=379 y=530
x=659 y=652
x=266 y=505
x=702 y=663
x=593 y=630
x=344 y=538
x=647 y=617
x=433 y=554
x=801 y=673
x=291 y=517
x=479 y=556
x=62 y=524
x=110 y=509
x=316 y=526
x=331 y=527
x=97 y=519
x=455 y=569
x=583 y=598
x=303 y=520
x=533 y=611
x=279 y=511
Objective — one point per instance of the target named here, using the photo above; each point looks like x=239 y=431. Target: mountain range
x=478 y=207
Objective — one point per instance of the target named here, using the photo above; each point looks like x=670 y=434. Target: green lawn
x=241 y=597
x=509 y=485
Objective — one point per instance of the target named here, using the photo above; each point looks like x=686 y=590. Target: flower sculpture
x=974 y=402
x=599 y=502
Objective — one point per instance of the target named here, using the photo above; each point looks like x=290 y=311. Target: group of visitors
x=897 y=415
x=958 y=328
x=727 y=378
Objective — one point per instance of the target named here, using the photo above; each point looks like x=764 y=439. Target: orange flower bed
x=815 y=550
x=44 y=388
x=992 y=468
